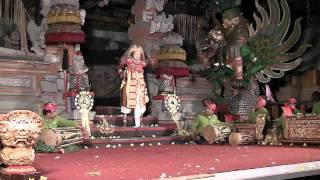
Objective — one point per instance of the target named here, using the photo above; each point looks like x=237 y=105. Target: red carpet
x=173 y=160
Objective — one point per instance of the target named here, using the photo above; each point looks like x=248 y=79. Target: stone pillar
x=64 y=33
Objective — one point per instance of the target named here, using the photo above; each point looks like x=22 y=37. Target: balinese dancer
x=133 y=88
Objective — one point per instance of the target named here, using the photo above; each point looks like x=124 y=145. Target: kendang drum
x=240 y=139
x=216 y=134
x=62 y=137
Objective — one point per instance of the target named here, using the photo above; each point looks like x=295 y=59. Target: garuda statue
x=248 y=54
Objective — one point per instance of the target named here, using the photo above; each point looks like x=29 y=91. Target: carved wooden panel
x=246 y=128
x=304 y=128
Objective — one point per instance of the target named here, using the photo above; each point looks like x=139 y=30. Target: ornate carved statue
x=79 y=80
x=252 y=55
x=19 y=131
x=36 y=33
x=161 y=23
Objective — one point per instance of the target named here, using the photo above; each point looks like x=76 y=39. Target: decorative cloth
x=66 y=37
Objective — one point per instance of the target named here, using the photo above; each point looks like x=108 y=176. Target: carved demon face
x=20 y=128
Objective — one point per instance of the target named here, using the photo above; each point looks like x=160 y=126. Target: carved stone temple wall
x=23 y=78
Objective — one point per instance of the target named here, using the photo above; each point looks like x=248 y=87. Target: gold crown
x=172 y=53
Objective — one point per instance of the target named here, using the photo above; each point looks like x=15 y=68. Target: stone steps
x=126 y=136
x=117 y=120
x=150 y=134
x=109 y=110
x=127 y=132
x=134 y=141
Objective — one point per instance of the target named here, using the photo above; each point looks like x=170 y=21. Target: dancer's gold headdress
x=134 y=48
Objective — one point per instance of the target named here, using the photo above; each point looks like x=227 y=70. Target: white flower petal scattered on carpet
x=57 y=157
x=142 y=144
x=43 y=178
x=119 y=145
x=159 y=144
x=172 y=143
x=114 y=146
x=273 y=163
x=238 y=148
x=197 y=166
x=163 y=175
x=212 y=168
x=131 y=144
x=150 y=144
x=217 y=160
x=178 y=173
x=96 y=157
x=97 y=147
x=86 y=147
x=94 y=173
x=153 y=135
x=108 y=145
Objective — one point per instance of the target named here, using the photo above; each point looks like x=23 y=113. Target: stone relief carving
x=161 y=23
x=157 y=4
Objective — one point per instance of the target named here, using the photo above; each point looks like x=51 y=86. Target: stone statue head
x=83 y=14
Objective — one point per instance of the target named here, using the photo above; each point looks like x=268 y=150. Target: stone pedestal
x=19 y=131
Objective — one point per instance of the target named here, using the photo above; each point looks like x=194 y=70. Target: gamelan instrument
x=216 y=134
x=62 y=137
x=241 y=139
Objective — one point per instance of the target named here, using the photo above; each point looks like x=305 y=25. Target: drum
x=240 y=139
x=216 y=134
x=62 y=137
